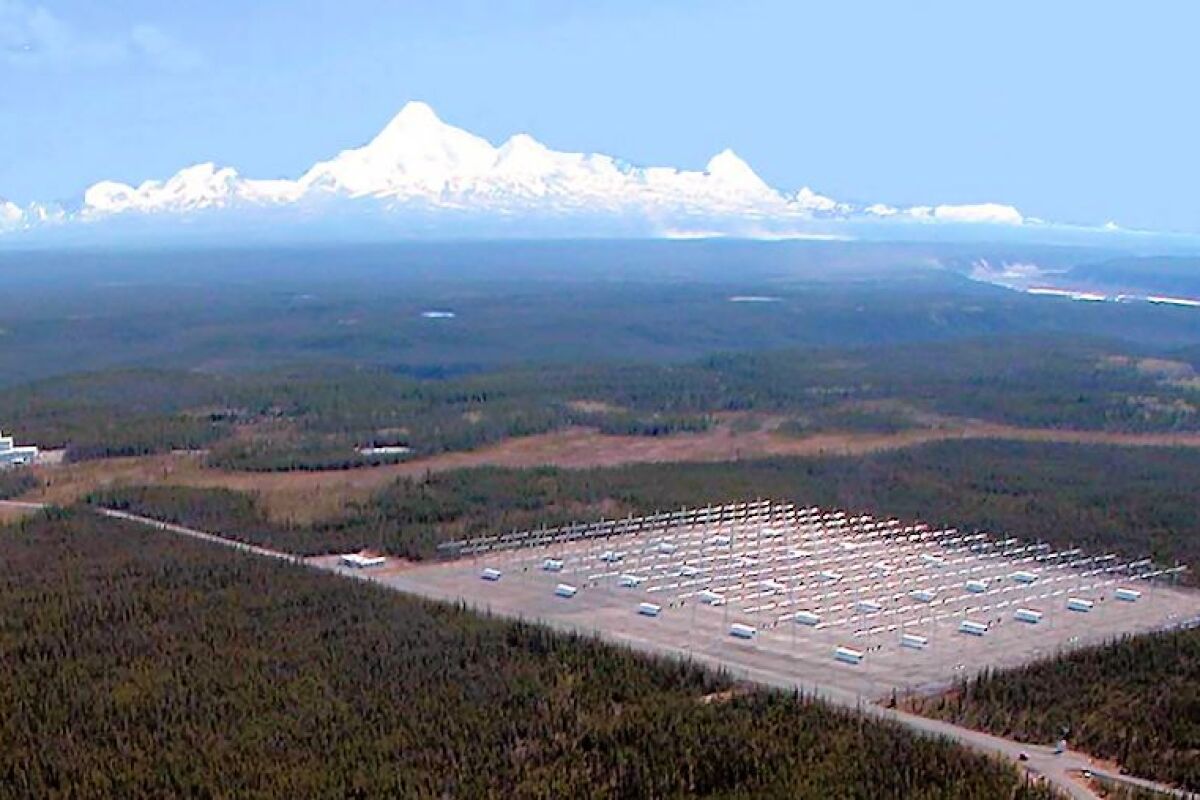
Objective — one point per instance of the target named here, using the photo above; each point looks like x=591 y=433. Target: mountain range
x=420 y=175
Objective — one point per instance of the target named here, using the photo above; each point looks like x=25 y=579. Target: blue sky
x=1072 y=111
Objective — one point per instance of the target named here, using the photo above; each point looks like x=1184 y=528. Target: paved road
x=1042 y=760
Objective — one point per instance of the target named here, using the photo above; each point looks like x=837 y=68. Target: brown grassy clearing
x=306 y=496
x=13 y=513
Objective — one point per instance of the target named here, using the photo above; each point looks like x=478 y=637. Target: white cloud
x=990 y=213
x=995 y=213
x=684 y=234
x=32 y=37
x=11 y=215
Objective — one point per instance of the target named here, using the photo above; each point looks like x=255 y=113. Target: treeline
x=319 y=442
x=140 y=665
x=138 y=436
x=294 y=454
x=850 y=417
x=1132 y=501
x=1116 y=790
x=118 y=412
x=317 y=417
x=1135 y=701
x=626 y=424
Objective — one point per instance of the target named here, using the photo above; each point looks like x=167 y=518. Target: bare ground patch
x=307 y=496
x=11 y=513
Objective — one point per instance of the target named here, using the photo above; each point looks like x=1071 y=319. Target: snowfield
x=420 y=168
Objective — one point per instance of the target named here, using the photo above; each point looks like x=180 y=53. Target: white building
x=12 y=456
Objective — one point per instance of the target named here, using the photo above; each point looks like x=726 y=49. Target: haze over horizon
x=158 y=88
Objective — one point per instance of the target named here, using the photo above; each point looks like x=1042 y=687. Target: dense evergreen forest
x=1134 y=501
x=243 y=310
x=138 y=665
x=1136 y=701
x=318 y=417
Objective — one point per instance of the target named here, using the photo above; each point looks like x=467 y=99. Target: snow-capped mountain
x=419 y=168
x=194 y=188
x=15 y=218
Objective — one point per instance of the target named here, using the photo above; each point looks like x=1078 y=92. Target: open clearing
x=11 y=512
x=306 y=496
x=776 y=591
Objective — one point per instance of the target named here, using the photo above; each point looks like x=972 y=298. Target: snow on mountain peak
x=419 y=162
x=17 y=218
x=11 y=215
x=417 y=123
x=192 y=188
x=729 y=167
x=808 y=200
x=416 y=153
x=522 y=143
x=195 y=188
x=969 y=214
x=417 y=112
x=995 y=213
x=523 y=152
